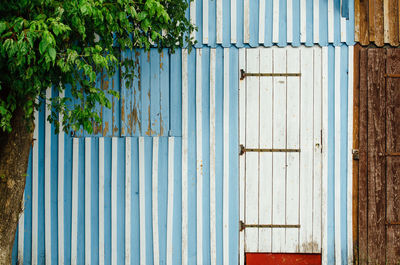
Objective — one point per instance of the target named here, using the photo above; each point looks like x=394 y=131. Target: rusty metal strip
x=277 y=150
x=243 y=74
x=389 y=154
x=243 y=226
x=392 y=75
x=392 y=223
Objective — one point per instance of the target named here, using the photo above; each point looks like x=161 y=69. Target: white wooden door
x=281 y=178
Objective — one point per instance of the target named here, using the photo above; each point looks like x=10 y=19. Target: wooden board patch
x=282 y=259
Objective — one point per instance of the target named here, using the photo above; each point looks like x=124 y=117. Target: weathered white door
x=281 y=95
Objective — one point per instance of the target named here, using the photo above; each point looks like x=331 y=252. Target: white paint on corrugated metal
x=226 y=160
x=282 y=188
x=142 y=205
x=156 y=248
x=213 y=239
x=233 y=21
x=219 y=21
x=205 y=22
x=275 y=21
x=316 y=21
x=74 y=225
x=303 y=9
x=246 y=22
x=170 y=209
x=184 y=157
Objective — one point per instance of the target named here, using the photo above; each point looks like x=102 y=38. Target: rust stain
x=115 y=130
x=104 y=82
x=148 y=56
x=123 y=116
x=161 y=64
x=113 y=112
x=105 y=129
x=161 y=125
x=139 y=79
x=149 y=131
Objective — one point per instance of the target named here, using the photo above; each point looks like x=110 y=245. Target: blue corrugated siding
x=152 y=106
x=174 y=107
x=346 y=11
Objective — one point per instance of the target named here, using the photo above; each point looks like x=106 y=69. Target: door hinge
x=356 y=154
x=243 y=226
x=274 y=150
x=243 y=74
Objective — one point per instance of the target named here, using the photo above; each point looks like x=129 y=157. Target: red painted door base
x=282 y=259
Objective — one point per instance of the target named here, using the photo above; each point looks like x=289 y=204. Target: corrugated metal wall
x=285 y=22
x=377 y=22
x=173 y=148
x=82 y=193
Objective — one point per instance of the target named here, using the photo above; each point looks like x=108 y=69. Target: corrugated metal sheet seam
x=170 y=200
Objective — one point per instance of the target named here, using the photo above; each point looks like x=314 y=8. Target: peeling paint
x=113 y=111
x=309 y=246
x=105 y=129
x=161 y=63
x=161 y=125
x=149 y=131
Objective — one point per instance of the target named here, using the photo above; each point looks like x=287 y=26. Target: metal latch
x=356 y=154
x=243 y=226
x=277 y=150
x=243 y=74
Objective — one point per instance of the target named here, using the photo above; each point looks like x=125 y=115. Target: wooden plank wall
x=377 y=21
x=376 y=174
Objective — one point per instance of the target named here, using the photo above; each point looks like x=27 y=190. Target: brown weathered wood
x=364 y=36
x=357 y=20
x=371 y=20
x=376 y=163
x=356 y=109
x=379 y=22
x=386 y=20
x=362 y=179
x=393 y=162
x=393 y=23
x=398 y=15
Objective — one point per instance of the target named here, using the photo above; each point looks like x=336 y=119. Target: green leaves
x=69 y=44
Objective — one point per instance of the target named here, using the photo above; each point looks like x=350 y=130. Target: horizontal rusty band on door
x=243 y=226
x=243 y=74
x=278 y=150
x=392 y=223
x=389 y=154
x=392 y=75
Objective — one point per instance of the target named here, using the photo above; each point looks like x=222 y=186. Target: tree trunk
x=14 y=156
